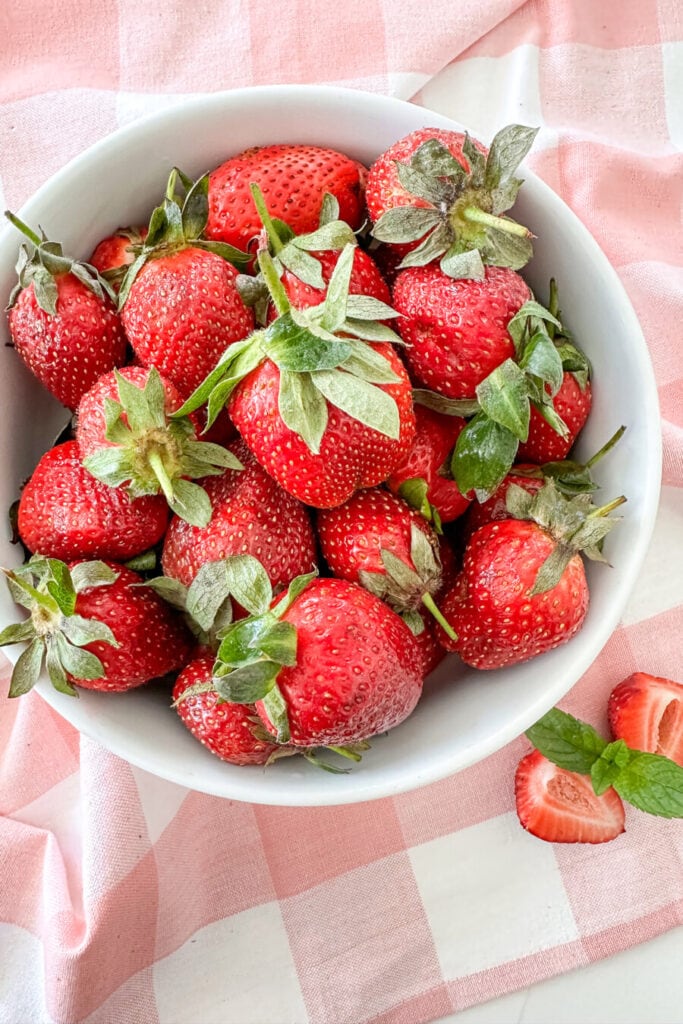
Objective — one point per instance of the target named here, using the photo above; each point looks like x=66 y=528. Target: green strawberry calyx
x=41 y=262
x=150 y=452
x=324 y=354
x=55 y=634
x=414 y=492
x=575 y=524
x=407 y=587
x=570 y=475
x=651 y=782
x=294 y=252
x=179 y=223
x=252 y=652
x=487 y=446
x=459 y=220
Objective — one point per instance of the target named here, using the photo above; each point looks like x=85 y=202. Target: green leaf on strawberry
x=48 y=591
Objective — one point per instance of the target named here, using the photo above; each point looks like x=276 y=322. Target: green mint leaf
x=405 y=224
x=303 y=408
x=504 y=397
x=359 y=399
x=27 y=669
x=483 y=455
x=653 y=784
x=566 y=741
x=607 y=768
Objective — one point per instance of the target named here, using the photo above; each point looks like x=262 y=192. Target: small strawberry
x=95 y=626
x=424 y=478
x=228 y=730
x=522 y=589
x=62 y=320
x=293 y=179
x=456 y=330
x=319 y=396
x=379 y=541
x=562 y=807
x=179 y=302
x=328 y=664
x=437 y=194
x=64 y=512
x=647 y=712
x=114 y=254
x=251 y=515
x=126 y=437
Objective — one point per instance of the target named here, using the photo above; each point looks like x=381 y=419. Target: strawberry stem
x=605 y=448
x=266 y=220
x=477 y=216
x=273 y=282
x=430 y=605
x=157 y=466
x=24 y=228
x=605 y=510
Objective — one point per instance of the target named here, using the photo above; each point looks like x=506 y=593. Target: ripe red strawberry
x=152 y=637
x=423 y=479
x=573 y=404
x=113 y=254
x=561 y=807
x=379 y=541
x=351 y=455
x=647 y=712
x=495 y=508
x=365 y=279
x=456 y=331
x=62 y=320
x=64 y=512
x=126 y=437
x=293 y=179
x=432 y=652
x=179 y=302
x=251 y=515
x=522 y=589
x=437 y=194
x=182 y=312
x=227 y=730
x=94 y=625
x=328 y=664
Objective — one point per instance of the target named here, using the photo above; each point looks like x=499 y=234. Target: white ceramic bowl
x=464 y=715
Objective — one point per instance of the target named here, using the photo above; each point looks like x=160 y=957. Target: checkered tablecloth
x=124 y=898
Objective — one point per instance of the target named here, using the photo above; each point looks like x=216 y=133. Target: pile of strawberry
x=320 y=438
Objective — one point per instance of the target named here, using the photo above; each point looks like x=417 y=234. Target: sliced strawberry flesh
x=561 y=807
x=647 y=712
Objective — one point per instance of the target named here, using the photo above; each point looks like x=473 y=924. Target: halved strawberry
x=561 y=807
x=647 y=712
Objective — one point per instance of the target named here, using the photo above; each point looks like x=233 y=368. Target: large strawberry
x=320 y=396
x=230 y=731
x=95 y=626
x=62 y=319
x=562 y=807
x=522 y=589
x=438 y=194
x=328 y=664
x=293 y=179
x=647 y=712
x=127 y=437
x=64 y=512
x=456 y=330
x=251 y=515
x=179 y=301
x=424 y=478
x=379 y=541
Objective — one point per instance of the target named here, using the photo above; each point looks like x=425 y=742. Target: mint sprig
x=651 y=782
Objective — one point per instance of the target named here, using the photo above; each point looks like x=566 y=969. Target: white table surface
x=642 y=985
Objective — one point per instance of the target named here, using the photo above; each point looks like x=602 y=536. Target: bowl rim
x=364 y=787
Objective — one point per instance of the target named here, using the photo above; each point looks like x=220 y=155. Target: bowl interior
x=464 y=715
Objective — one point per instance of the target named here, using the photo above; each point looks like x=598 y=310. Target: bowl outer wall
x=464 y=715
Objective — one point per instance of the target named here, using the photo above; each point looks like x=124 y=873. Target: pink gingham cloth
x=124 y=898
